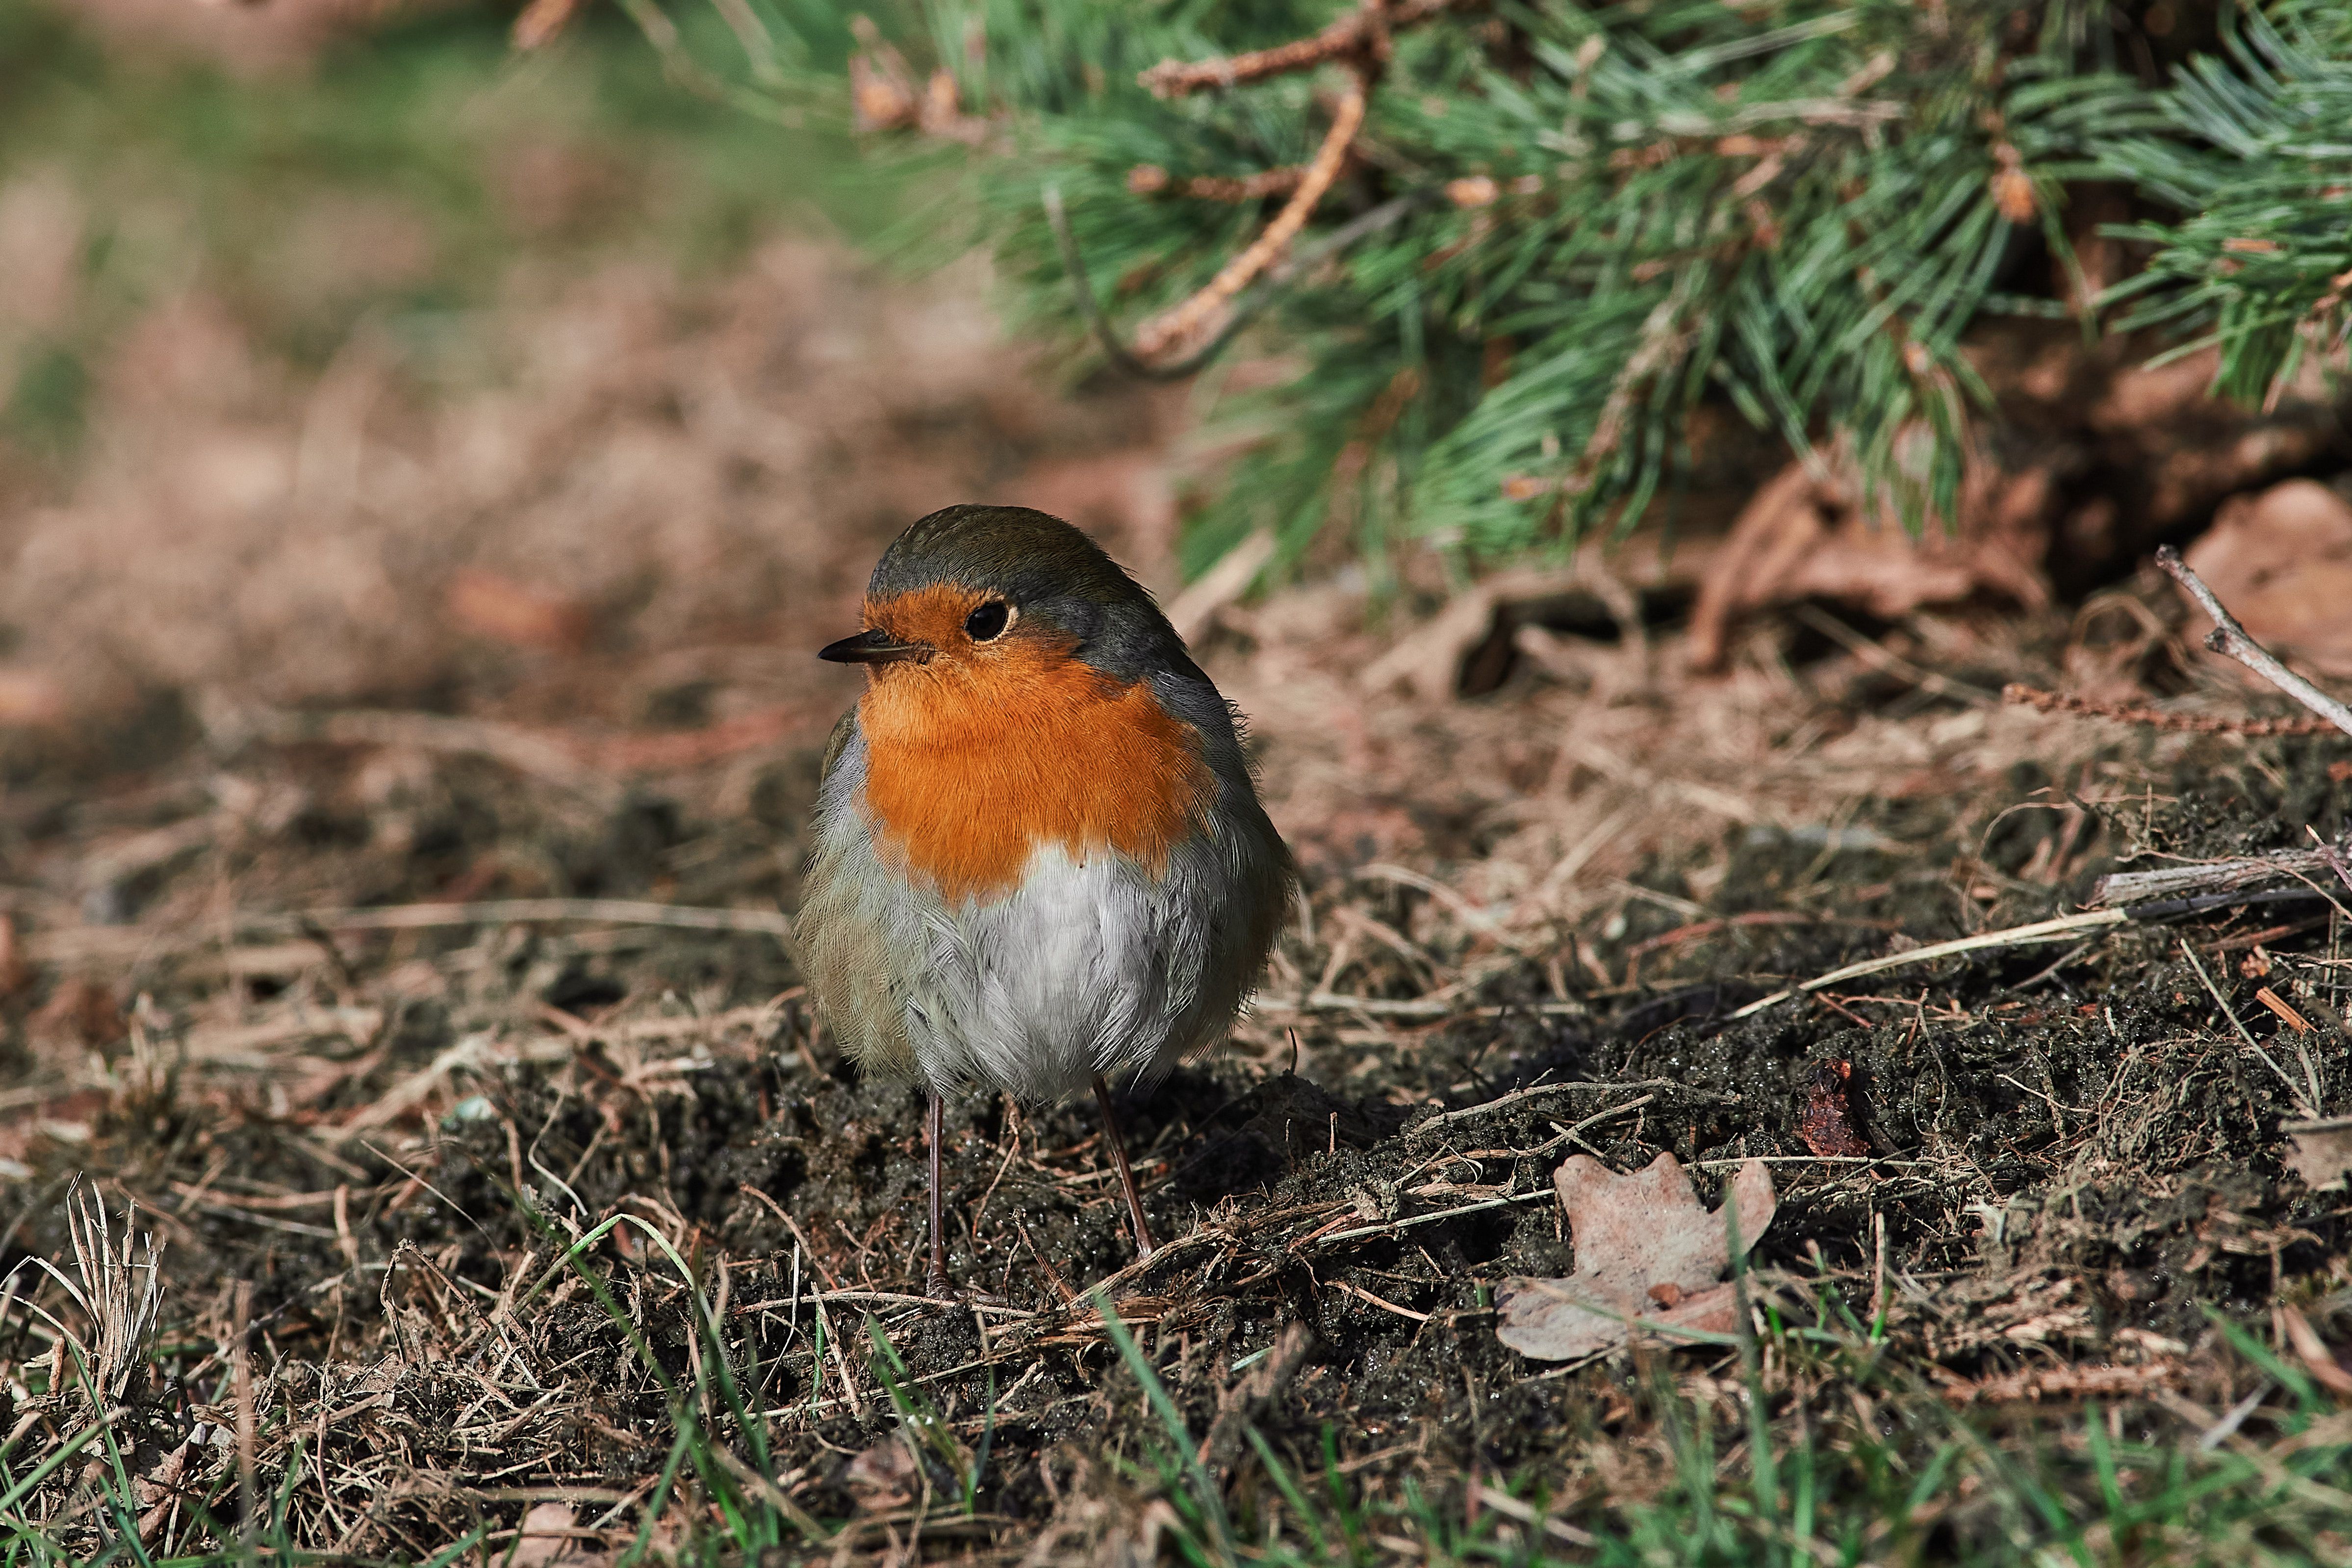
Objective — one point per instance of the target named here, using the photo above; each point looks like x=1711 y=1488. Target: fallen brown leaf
x=545 y=1538
x=2319 y=1151
x=1647 y=1256
x=1806 y=537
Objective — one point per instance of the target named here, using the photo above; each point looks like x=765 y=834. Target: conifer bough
x=1502 y=253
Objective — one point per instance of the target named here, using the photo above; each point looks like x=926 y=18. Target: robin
x=1039 y=862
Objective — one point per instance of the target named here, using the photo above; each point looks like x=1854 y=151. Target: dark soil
x=2068 y=1148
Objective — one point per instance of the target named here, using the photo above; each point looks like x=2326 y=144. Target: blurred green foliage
x=401 y=177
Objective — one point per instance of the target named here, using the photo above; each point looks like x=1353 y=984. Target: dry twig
x=1509 y=1507
x=2228 y=637
x=1186 y=320
x=1368 y=29
x=1151 y=180
x=1090 y=308
x=2220 y=880
x=2305 y=1095
x=2156 y=718
x=2015 y=936
x=1453 y=1118
x=2035 y=1383
x=518 y=911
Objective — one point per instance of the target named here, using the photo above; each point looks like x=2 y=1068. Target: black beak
x=873 y=647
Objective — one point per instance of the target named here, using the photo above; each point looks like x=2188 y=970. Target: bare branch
x=1151 y=180
x=1187 y=320
x=2228 y=638
x=2226 y=878
x=1360 y=30
x=1090 y=308
x=2060 y=929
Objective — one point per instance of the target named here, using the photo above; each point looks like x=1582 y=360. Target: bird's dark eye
x=988 y=622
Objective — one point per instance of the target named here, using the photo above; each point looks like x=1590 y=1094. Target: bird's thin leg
x=1144 y=1246
x=935 y=1282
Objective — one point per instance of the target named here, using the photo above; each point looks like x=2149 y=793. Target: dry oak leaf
x=1802 y=537
x=1648 y=1255
x=545 y=1539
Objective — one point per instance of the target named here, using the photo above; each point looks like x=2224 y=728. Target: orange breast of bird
x=972 y=765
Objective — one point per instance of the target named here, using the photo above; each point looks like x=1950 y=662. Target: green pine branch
x=2254 y=147
x=1562 y=228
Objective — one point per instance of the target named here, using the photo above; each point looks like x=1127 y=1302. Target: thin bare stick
x=1383 y=1302
x=885 y=1299
x=2229 y=638
x=1451 y=1118
x=1151 y=180
x=1610 y=1114
x=2015 y=936
x=1408 y=1223
x=2068 y=1382
x=1119 y=1277
x=2218 y=877
x=840 y=1361
x=1415 y=1006
x=1184 y=322
x=2156 y=718
x=90 y=944
x=1356 y=31
x=1090 y=310
x=241 y=1371
x=2335 y=862
x=2295 y=1091
x=1880 y=658
x=1052 y=1275
x=1509 y=1507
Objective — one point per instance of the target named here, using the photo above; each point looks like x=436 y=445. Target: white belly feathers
x=1085 y=969
x=1088 y=966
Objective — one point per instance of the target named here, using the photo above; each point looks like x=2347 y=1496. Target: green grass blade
x=1171 y=1420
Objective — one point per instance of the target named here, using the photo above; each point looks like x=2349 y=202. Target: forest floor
x=410 y=731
